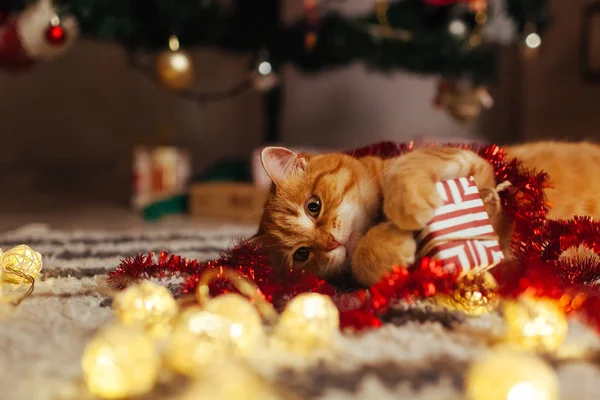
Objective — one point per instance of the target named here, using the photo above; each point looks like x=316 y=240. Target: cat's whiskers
x=322 y=268
x=267 y=246
x=258 y=212
x=370 y=182
x=355 y=147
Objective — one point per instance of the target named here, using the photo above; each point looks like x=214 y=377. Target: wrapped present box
x=159 y=173
x=461 y=232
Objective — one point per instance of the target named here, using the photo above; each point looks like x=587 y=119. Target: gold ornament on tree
x=476 y=294
x=148 y=305
x=534 y=324
x=463 y=101
x=503 y=374
x=174 y=67
x=120 y=362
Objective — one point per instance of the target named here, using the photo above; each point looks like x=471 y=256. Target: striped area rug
x=420 y=353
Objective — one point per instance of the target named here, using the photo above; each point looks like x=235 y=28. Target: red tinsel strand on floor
x=149 y=266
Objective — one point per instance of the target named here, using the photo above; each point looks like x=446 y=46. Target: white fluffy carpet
x=419 y=354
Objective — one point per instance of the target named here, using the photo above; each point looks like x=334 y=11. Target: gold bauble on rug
x=20 y=264
x=198 y=339
x=148 y=305
x=120 y=362
x=243 y=324
x=476 y=294
x=503 y=374
x=535 y=324
x=174 y=67
x=309 y=322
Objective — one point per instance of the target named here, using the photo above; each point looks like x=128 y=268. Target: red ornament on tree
x=56 y=35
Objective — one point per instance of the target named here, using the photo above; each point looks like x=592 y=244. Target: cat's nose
x=332 y=244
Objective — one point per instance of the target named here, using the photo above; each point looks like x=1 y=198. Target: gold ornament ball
x=20 y=260
x=244 y=326
x=147 y=304
x=476 y=294
x=503 y=374
x=198 y=339
x=309 y=322
x=175 y=69
x=535 y=324
x=120 y=362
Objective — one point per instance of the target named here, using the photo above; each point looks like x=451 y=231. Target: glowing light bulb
x=265 y=68
x=180 y=62
x=535 y=324
x=244 y=326
x=503 y=374
x=458 y=28
x=174 y=43
x=148 y=305
x=533 y=40
x=310 y=321
x=120 y=362
x=20 y=264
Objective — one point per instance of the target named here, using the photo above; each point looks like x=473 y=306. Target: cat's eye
x=301 y=254
x=313 y=206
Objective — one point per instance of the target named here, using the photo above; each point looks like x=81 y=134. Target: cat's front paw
x=410 y=201
x=383 y=246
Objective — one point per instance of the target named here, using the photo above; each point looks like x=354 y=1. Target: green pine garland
x=147 y=25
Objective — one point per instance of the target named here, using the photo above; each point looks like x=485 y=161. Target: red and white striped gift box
x=448 y=235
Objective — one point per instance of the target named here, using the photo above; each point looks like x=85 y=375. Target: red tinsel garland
x=358 y=310
x=542 y=271
x=537 y=242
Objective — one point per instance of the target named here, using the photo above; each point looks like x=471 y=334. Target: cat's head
x=318 y=208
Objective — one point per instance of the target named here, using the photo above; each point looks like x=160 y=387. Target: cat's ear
x=280 y=163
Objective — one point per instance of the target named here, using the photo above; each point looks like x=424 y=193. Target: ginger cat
x=327 y=213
